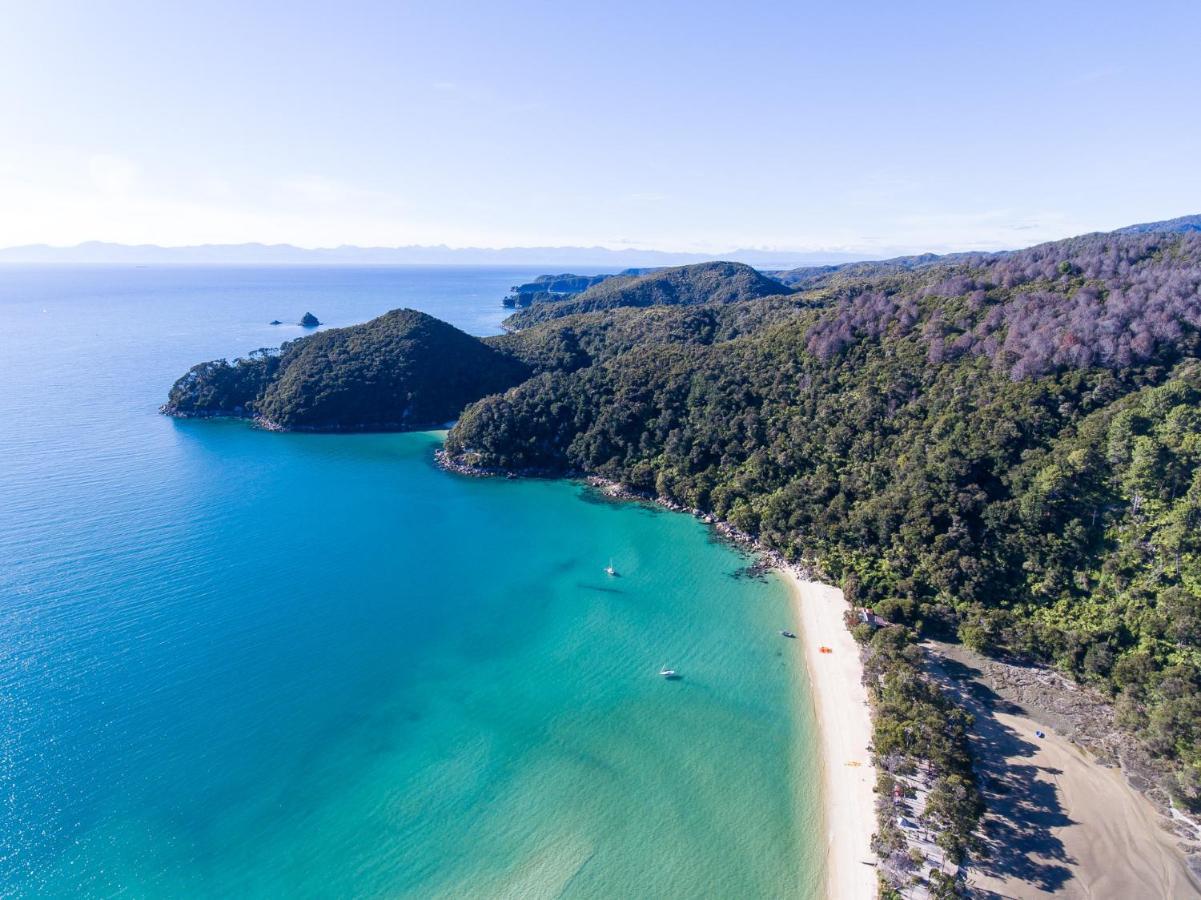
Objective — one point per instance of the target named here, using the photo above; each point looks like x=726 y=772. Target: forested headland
x=403 y=370
x=549 y=288
x=715 y=282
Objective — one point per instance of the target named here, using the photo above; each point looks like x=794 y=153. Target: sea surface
x=239 y=664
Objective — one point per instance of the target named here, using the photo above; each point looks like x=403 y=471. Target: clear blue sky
x=684 y=126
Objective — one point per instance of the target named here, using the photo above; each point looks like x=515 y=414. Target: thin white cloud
x=113 y=174
x=318 y=189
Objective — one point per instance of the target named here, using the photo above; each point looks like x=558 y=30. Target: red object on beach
x=825 y=650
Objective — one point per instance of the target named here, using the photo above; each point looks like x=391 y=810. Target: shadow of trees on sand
x=1022 y=799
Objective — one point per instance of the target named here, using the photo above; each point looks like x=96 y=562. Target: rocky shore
x=175 y=412
x=450 y=464
x=766 y=558
x=168 y=409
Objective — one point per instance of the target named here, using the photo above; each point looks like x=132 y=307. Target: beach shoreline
x=840 y=704
x=844 y=732
x=840 y=701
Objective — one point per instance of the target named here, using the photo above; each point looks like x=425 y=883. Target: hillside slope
x=1180 y=225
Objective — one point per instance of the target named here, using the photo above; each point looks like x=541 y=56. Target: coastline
x=1090 y=791
x=844 y=732
x=839 y=697
x=840 y=703
x=264 y=424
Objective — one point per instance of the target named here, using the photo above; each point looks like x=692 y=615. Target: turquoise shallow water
x=235 y=663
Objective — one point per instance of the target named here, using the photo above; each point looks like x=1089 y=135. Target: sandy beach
x=840 y=701
x=1058 y=823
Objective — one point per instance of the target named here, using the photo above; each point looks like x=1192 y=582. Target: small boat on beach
x=789 y=634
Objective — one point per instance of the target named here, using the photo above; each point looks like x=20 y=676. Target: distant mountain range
x=98 y=252
x=101 y=252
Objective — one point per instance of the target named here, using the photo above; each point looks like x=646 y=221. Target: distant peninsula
x=551 y=287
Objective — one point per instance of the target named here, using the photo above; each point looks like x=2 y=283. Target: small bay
x=237 y=663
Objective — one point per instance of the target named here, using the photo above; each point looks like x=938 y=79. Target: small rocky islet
x=308 y=320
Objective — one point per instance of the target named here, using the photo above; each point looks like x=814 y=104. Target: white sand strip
x=844 y=723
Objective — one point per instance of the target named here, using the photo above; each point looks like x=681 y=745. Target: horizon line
x=441 y=246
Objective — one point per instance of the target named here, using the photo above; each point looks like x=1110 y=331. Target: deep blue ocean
x=236 y=663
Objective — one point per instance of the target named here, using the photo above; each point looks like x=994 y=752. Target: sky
x=700 y=126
